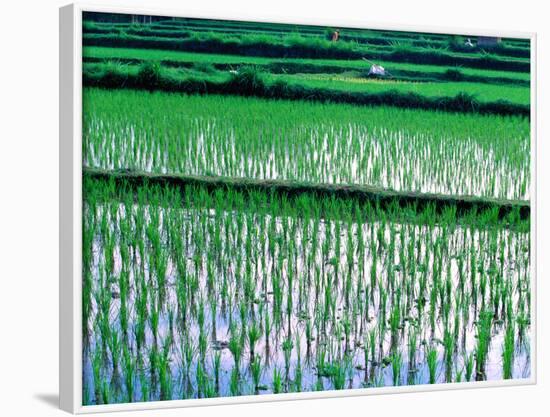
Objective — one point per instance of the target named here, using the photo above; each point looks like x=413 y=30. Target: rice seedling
x=449 y=345
x=201 y=379
x=338 y=371
x=287 y=347
x=235 y=347
x=216 y=366
x=97 y=364
x=254 y=334
x=144 y=385
x=165 y=373
x=483 y=335
x=431 y=358
x=105 y=392
x=412 y=342
x=256 y=371
x=129 y=373
x=115 y=347
x=277 y=381
x=396 y=364
x=508 y=350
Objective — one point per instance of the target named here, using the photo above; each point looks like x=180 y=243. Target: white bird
x=377 y=70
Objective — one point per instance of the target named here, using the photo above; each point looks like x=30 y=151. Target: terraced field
x=190 y=59
x=261 y=215
x=452 y=154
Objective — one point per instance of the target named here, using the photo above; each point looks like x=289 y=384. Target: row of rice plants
x=484 y=92
x=194 y=294
x=296 y=46
x=177 y=29
x=403 y=150
x=251 y=82
x=301 y=65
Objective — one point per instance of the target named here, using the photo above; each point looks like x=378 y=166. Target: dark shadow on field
x=49 y=399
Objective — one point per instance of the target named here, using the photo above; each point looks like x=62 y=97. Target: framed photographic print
x=268 y=210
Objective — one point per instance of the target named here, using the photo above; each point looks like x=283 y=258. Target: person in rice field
x=335 y=35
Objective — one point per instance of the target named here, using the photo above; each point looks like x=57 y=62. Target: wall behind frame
x=29 y=222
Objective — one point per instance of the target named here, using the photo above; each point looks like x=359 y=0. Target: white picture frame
x=70 y=214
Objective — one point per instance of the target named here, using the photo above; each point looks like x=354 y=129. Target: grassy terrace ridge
x=374 y=42
x=348 y=82
x=463 y=204
x=267 y=28
x=250 y=82
x=484 y=93
x=451 y=74
x=186 y=59
x=297 y=28
x=366 y=37
x=229 y=26
x=299 y=47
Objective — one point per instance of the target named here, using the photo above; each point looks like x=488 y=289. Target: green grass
x=294 y=45
x=249 y=81
x=483 y=92
x=371 y=37
x=278 y=28
x=374 y=41
x=109 y=53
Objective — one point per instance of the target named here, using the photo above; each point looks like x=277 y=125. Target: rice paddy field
x=261 y=216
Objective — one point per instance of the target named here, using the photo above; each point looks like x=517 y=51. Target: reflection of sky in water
x=232 y=260
x=356 y=155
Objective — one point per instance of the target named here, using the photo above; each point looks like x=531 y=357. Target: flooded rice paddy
x=397 y=149
x=259 y=223
x=204 y=294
